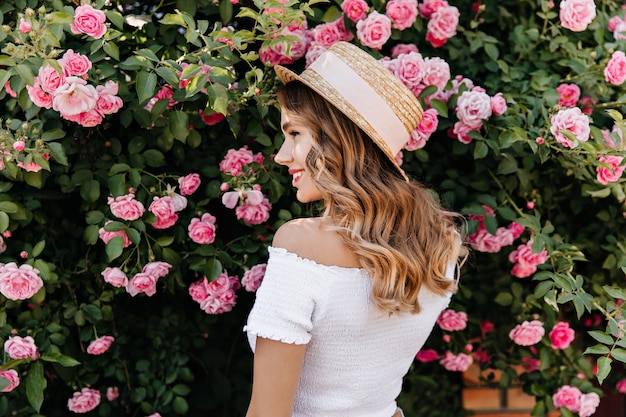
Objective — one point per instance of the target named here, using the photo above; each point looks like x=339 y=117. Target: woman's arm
x=277 y=368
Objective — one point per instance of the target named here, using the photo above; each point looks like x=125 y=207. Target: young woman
x=349 y=297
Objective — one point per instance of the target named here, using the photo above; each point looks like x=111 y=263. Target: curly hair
x=399 y=231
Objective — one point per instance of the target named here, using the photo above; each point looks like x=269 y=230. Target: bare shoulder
x=308 y=239
x=297 y=234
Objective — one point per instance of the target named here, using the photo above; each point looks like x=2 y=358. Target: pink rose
x=456 y=363
x=108 y=102
x=403 y=48
x=202 y=230
x=614 y=139
x=498 y=104
x=573 y=120
x=253 y=277
x=568 y=94
x=157 y=269
x=231 y=198
x=402 y=13
x=86 y=119
x=442 y=25
x=461 y=131
x=409 y=68
x=451 y=320
x=615 y=70
x=142 y=283
x=39 y=97
x=254 y=213
x=430 y=121
x=417 y=140
x=31 y=167
x=427 y=355
x=25 y=26
x=355 y=9
x=50 y=79
x=17 y=347
x=115 y=277
x=611 y=173
x=107 y=236
x=211 y=118
x=528 y=333
x=613 y=22
x=472 y=107
x=526 y=261
x=313 y=52
x=163 y=209
x=588 y=404
x=436 y=72
x=89 y=21
x=234 y=161
x=576 y=15
x=428 y=7
x=84 y=401
x=326 y=34
x=9 y=90
x=74 y=97
x=620 y=31
x=215 y=297
x=19 y=283
x=11 y=376
x=531 y=364
x=189 y=184
x=374 y=30
x=100 y=345
x=112 y=393
x=74 y=64
x=567 y=396
x=621 y=386
x=285 y=52
x=561 y=335
x=126 y=207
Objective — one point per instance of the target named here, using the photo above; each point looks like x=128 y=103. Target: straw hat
x=365 y=91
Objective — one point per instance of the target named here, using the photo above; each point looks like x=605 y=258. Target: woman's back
x=356 y=353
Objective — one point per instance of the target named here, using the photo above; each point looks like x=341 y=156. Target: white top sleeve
x=285 y=301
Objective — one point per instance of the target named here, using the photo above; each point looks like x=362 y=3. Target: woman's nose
x=284 y=154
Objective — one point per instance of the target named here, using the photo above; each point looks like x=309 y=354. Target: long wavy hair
x=398 y=230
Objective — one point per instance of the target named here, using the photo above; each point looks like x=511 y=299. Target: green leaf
x=492 y=51
x=34 y=179
x=179 y=124
x=38 y=248
x=59 y=358
x=146 y=85
x=601 y=337
x=542 y=288
x=4 y=383
x=4 y=221
x=35 y=385
x=53 y=134
x=9 y=207
x=213 y=269
x=114 y=248
x=604 y=368
x=168 y=74
x=90 y=191
x=619 y=354
x=154 y=158
x=597 y=350
x=58 y=153
x=440 y=106
x=112 y=50
x=26 y=73
x=504 y=299
x=59 y=18
x=226 y=11
x=180 y=405
x=480 y=150
x=172 y=19
x=116 y=18
x=615 y=292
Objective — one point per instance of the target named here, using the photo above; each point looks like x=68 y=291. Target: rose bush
x=138 y=193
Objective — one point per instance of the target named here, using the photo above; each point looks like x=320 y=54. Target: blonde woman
x=349 y=297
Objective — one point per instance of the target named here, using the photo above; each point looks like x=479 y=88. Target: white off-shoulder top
x=356 y=354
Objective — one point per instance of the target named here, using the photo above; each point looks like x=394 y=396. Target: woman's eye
x=293 y=133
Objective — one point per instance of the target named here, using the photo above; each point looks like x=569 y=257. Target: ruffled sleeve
x=286 y=300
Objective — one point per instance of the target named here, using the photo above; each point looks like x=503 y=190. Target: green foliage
x=193 y=87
